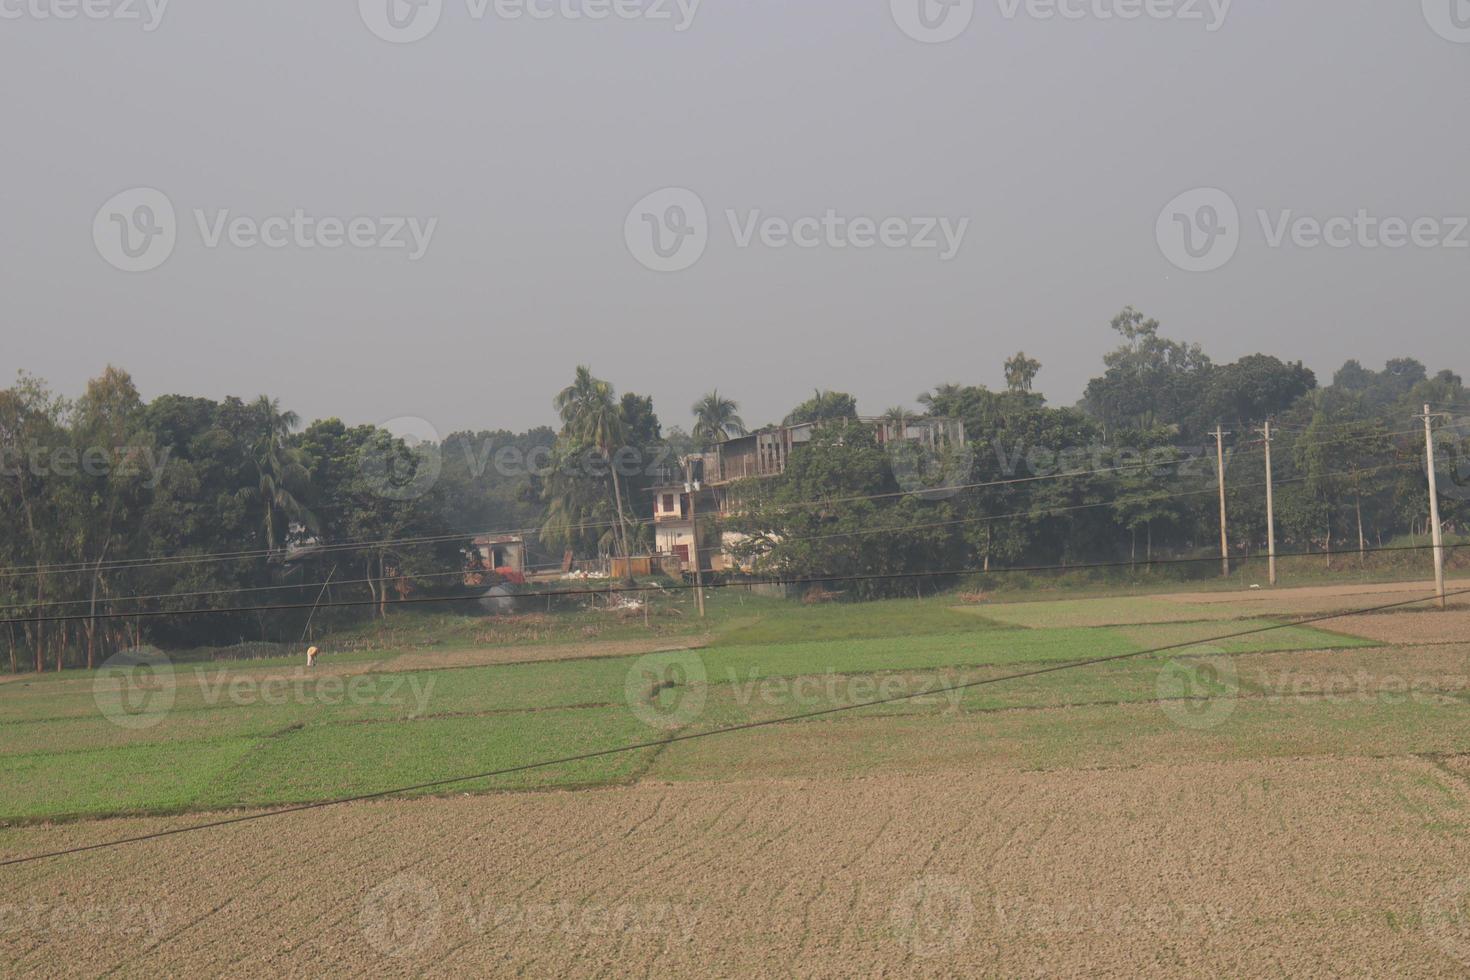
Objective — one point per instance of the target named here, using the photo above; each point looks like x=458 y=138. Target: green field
x=267 y=732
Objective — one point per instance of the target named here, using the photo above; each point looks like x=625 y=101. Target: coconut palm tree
x=282 y=476
x=716 y=419
x=940 y=394
x=591 y=417
x=897 y=420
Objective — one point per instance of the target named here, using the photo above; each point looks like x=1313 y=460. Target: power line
x=730 y=729
x=875 y=530
x=1072 y=508
x=312 y=550
x=615 y=590
x=981 y=519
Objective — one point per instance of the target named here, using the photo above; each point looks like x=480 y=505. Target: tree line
x=233 y=505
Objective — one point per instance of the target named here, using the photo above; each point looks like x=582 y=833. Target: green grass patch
x=865 y=743
x=327 y=761
x=776 y=622
x=125 y=779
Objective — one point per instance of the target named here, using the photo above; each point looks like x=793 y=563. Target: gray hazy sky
x=530 y=140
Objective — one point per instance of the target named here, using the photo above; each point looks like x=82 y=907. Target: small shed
x=502 y=551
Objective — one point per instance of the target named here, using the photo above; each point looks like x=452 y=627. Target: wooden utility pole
x=1220 y=470
x=1437 y=535
x=1270 y=509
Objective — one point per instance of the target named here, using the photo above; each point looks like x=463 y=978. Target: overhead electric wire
x=680 y=587
x=1071 y=508
x=318 y=549
x=692 y=736
x=979 y=519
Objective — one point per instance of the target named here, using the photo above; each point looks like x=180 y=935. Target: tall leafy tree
x=1021 y=373
x=1149 y=379
x=592 y=418
x=823 y=406
x=107 y=432
x=282 y=476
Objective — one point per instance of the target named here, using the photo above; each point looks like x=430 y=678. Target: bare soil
x=1305 y=597
x=1299 y=867
x=1427 y=625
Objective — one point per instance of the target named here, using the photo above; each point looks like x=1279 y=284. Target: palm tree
x=898 y=417
x=591 y=417
x=282 y=475
x=940 y=394
x=716 y=419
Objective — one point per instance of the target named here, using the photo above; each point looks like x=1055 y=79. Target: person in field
x=311 y=653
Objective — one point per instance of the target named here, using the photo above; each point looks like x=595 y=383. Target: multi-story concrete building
x=702 y=488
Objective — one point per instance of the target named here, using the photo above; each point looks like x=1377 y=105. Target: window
x=668 y=503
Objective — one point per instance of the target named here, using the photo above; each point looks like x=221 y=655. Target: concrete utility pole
x=692 y=488
x=1270 y=508
x=1220 y=470
x=1438 y=537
